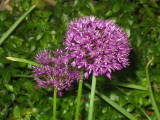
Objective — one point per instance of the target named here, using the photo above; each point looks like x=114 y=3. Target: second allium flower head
x=55 y=71
x=97 y=46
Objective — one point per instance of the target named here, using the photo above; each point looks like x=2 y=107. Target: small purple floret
x=98 y=46
x=55 y=71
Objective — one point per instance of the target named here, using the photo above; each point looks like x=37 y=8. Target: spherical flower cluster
x=97 y=46
x=55 y=71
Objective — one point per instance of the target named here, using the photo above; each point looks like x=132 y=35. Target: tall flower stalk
x=78 y=100
x=54 y=104
x=91 y=105
x=97 y=46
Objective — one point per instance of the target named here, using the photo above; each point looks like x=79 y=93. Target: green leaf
x=16 y=112
x=22 y=60
x=9 y=87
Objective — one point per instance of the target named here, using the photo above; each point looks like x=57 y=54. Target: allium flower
x=98 y=46
x=55 y=71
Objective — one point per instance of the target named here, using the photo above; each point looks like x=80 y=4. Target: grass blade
x=145 y=114
x=22 y=60
x=151 y=92
x=12 y=28
x=132 y=86
x=113 y=104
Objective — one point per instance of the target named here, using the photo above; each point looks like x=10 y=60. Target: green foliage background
x=45 y=27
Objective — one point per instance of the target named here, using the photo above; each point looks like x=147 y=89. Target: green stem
x=78 y=99
x=12 y=28
x=113 y=104
x=91 y=105
x=54 y=104
x=151 y=92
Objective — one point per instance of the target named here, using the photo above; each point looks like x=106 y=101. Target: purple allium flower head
x=55 y=70
x=97 y=46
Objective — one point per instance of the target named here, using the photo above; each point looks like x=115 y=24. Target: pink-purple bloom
x=97 y=46
x=54 y=70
